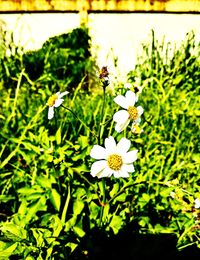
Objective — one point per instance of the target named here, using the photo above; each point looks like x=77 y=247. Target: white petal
x=98 y=167
x=98 y=152
x=140 y=110
x=130 y=98
x=137 y=121
x=128 y=167
x=58 y=102
x=120 y=127
x=50 y=113
x=130 y=157
x=110 y=144
x=121 y=101
x=107 y=172
x=121 y=173
x=123 y=145
x=121 y=116
x=63 y=94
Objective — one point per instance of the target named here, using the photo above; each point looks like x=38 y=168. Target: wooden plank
x=100 y=5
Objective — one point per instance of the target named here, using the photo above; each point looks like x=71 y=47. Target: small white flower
x=197 y=203
x=114 y=159
x=129 y=113
x=136 y=129
x=55 y=101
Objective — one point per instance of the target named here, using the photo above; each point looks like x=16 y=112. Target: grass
x=52 y=208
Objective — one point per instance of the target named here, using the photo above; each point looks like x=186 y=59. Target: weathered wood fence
x=100 y=5
x=83 y=7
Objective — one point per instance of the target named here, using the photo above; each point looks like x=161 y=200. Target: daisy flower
x=55 y=101
x=114 y=159
x=129 y=113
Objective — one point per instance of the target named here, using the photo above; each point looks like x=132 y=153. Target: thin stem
x=82 y=122
x=142 y=182
x=103 y=203
x=101 y=116
x=64 y=213
x=101 y=126
x=21 y=138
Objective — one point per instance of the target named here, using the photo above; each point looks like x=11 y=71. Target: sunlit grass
x=49 y=200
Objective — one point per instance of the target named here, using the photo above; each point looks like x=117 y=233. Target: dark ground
x=129 y=246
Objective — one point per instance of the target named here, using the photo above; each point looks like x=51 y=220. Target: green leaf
x=114 y=190
x=55 y=199
x=13 y=231
x=7 y=249
x=44 y=182
x=72 y=246
x=83 y=141
x=58 y=136
x=40 y=205
x=116 y=223
x=94 y=210
x=31 y=147
x=5 y=198
x=70 y=223
x=79 y=231
x=26 y=191
x=78 y=207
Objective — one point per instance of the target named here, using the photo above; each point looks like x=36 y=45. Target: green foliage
x=50 y=204
x=63 y=60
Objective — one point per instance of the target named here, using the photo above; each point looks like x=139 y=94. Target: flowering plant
x=85 y=172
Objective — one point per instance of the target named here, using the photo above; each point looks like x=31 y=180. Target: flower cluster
x=129 y=113
x=115 y=159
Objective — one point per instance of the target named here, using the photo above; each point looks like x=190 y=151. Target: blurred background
x=117 y=28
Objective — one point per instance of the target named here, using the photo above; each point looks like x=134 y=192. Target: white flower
x=55 y=101
x=136 y=129
x=129 y=113
x=197 y=203
x=113 y=159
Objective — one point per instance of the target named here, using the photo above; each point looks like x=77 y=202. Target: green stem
x=99 y=141
x=101 y=116
x=21 y=138
x=142 y=182
x=64 y=213
x=102 y=203
x=82 y=122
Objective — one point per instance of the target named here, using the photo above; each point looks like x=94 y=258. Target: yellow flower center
x=115 y=162
x=133 y=113
x=51 y=101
